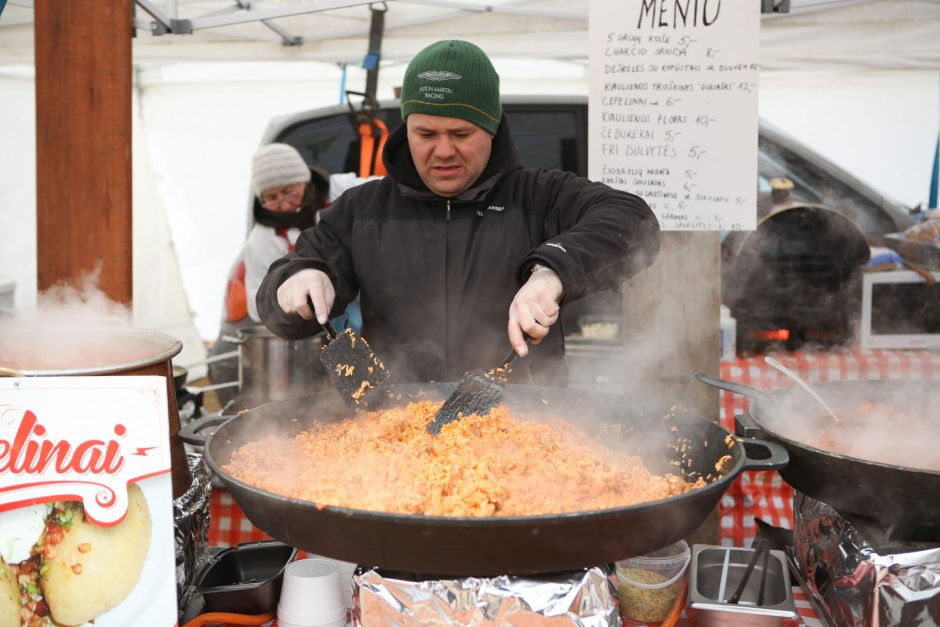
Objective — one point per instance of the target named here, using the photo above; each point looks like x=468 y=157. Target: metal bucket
x=273 y=369
x=31 y=351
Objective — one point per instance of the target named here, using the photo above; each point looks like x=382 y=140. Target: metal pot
x=102 y=350
x=888 y=493
x=272 y=368
x=499 y=544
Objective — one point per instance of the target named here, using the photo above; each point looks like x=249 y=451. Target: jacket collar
x=400 y=166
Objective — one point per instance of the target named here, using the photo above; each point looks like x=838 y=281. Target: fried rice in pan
x=493 y=465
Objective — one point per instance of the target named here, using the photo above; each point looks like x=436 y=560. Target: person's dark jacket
x=436 y=276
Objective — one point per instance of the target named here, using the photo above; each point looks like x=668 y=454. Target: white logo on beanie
x=439 y=75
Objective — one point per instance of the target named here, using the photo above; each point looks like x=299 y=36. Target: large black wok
x=497 y=545
x=904 y=496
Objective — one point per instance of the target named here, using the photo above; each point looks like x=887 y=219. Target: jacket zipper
x=446 y=330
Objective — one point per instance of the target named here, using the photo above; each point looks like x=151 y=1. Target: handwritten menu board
x=673 y=107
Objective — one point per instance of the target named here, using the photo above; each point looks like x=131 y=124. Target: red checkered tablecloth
x=755 y=494
x=228 y=525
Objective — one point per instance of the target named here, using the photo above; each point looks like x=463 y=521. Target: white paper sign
x=86 y=498
x=673 y=107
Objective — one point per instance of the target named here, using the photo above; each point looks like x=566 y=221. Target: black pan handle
x=777 y=458
x=510 y=359
x=734 y=386
x=192 y=433
x=328 y=328
x=746 y=427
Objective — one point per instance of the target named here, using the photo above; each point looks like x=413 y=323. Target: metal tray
x=716 y=573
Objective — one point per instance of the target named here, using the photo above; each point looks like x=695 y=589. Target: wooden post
x=83 y=143
x=672 y=310
x=83 y=159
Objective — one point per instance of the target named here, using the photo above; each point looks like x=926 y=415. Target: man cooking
x=460 y=247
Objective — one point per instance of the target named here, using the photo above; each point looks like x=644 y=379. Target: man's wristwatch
x=535 y=267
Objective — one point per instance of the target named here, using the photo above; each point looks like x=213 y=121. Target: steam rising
x=75 y=326
x=880 y=421
x=73 y=306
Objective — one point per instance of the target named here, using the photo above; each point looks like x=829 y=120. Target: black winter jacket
x=436 y=276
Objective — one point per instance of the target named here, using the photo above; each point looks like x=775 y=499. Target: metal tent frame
x=546 y=29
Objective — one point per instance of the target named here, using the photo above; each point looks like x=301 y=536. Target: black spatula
x=478 y=392
x=358 y=374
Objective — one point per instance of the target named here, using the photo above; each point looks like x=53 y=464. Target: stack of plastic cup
x=346 y=571
x=311 y=595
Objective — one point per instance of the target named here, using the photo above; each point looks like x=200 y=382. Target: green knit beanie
x=456 y=79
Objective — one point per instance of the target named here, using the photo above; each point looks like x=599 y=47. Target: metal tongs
x=761 y=551
x=359 y=375
x=478 y=392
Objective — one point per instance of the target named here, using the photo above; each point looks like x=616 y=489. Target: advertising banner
x=86 y=506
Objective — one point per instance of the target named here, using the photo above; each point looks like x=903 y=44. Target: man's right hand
x=296 y=293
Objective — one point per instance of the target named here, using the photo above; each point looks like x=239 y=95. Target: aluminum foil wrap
x=855 y=585
x=584 y=597
x=191 y=527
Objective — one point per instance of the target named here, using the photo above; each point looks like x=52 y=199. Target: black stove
x=796 y=280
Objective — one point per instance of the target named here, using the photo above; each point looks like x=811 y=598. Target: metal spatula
x=358 y=374
x=478 y=392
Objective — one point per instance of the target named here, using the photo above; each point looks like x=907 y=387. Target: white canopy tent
x=858 y=80
x=838 y=34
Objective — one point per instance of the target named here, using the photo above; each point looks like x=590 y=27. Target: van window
x=546 y=136
x=551 y=136
x=812 y=184
x=331 y=142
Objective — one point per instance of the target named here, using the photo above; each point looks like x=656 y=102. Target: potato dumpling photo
x=87 y=569
x=9 y=596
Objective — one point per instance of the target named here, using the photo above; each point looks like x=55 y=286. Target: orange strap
x=370 y=157
x=366 y=142
x=229 y=618
x=379 y=169
x=236 y=296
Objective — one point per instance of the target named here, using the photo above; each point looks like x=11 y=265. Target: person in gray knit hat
x=460 y=249
x=289 y=195
x=277 y=166
x=280 y=179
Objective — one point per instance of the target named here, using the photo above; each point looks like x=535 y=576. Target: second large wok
x=494 y=545
x=906 y=496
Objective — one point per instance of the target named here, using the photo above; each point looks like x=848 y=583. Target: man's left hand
x=534 y=308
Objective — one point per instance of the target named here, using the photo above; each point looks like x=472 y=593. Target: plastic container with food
x=648 y=585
